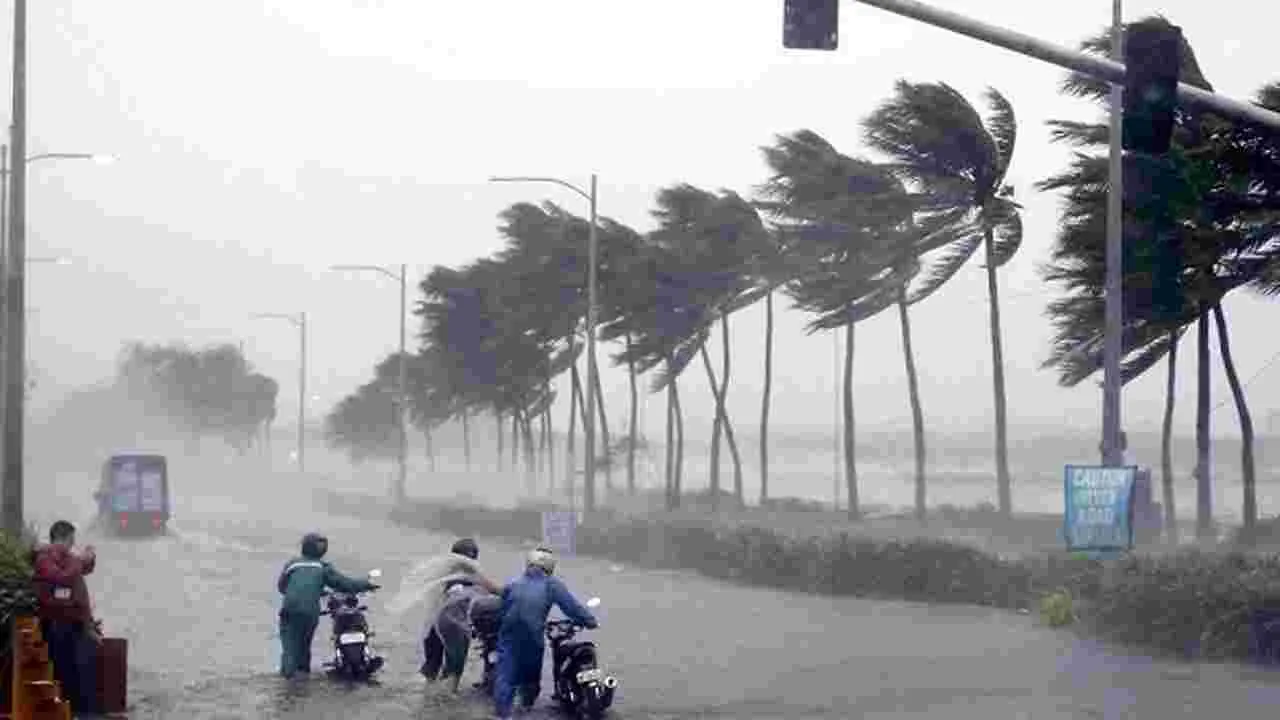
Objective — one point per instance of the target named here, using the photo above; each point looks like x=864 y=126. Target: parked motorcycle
x=353 y=657
x=581 y=686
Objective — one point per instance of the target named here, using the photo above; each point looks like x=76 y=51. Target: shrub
x=1056 y=609
x=1198 y=603
x=16 y=595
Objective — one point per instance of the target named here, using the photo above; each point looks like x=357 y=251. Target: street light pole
x=588 y=417
x=299 y=321
x=15 y=347
x=589 y=424
x=402 y=402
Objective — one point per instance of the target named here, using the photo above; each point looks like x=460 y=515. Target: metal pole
x=588 y=419
x=302 y=391
x=1110 y=70
x=1114 y=310
x=4 y=270
x=402 y=404
x=15 y=348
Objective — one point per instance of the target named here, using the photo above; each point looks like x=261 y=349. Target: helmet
x=543 y=557
x=314 y=545
x=467 y=547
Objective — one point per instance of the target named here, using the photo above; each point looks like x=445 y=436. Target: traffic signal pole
x=1111 y=71
x=1113 y=311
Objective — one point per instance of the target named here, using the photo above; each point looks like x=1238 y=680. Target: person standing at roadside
x=66 y=613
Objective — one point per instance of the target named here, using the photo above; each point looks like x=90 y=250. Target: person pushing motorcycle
x=526 y=602
x=446 y=635
x=302 y=582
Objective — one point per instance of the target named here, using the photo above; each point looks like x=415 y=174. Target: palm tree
x=843 y=216
x=712 y=233
x=1220 y=219
x=666 y=326
x=827 y=204
x=942 y=147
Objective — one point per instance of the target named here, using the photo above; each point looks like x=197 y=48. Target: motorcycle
x=581 y=686
x=353 y=657
x=486 y=617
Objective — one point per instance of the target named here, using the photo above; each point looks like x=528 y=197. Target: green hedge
x=1194 y=603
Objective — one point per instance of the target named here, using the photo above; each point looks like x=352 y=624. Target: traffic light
x=811 y=24
x=1153 y=63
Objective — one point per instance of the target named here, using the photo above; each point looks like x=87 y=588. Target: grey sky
x=261 y=141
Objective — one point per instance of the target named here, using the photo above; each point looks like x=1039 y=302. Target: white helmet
x=543 y=557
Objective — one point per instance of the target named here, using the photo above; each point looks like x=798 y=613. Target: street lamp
x=402 y=401
x=588 y=418
x=299 y=321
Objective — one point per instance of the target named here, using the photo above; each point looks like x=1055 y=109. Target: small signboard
x=1099 y=507
x=559 y=528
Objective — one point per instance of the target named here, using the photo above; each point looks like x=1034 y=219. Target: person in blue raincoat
x=526 y=602
x=301 y=582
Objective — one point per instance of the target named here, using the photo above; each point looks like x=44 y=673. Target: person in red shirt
x=66 y=614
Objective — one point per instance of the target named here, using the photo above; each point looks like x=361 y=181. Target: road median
x=1196 y=603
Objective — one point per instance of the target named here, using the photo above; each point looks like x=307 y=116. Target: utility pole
x=15 y=310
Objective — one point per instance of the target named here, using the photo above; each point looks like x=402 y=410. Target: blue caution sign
x=559 y=527
x=1099 y=507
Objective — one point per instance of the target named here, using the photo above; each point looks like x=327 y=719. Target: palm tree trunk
x=670 y=454
x=515 y=441
x=530 y=454
x=850 y=461
x=571 y=462
x=604 y=435
x=917 y=412
x=722 y=417
x=679 y=480
x=713 y=481
x=738 y=491
x=1204 y=472
x=466 y=437
x=766 y=397
x=497 y=418
x=1166 y=442
x=635 y=405
x=548 y=425
x=431 y=449
x=1003 y=483
x=1247 y=467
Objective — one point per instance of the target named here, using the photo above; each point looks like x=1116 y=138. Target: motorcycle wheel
x=591 y=705
x=353 y=660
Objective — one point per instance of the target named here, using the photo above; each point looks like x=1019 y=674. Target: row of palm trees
x=845 y=238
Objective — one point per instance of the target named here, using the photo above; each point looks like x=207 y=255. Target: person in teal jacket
x=302 y=582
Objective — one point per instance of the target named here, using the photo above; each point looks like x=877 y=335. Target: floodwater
x=198 y=608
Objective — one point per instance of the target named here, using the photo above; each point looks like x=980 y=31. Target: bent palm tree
x=944 y=150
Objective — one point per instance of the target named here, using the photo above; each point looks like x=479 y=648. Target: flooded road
x=199 y=610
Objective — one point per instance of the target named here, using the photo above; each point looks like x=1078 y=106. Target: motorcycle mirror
x=374 y=574
x=593 y=602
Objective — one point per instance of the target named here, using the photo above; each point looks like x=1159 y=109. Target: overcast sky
x=261 y=141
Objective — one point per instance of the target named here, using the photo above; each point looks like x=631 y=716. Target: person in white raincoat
x=445 y=639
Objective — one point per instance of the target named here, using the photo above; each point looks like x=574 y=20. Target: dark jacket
x=304 y=579
x=60 y=586
x=528 y=600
